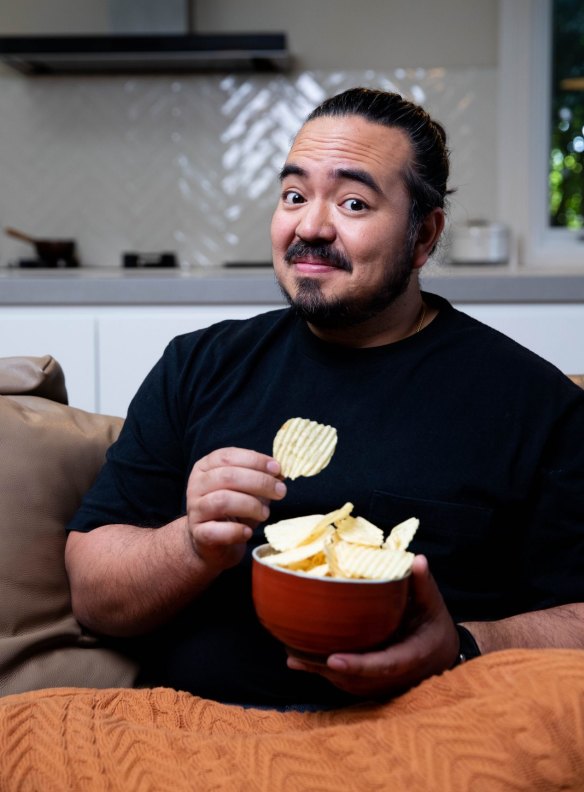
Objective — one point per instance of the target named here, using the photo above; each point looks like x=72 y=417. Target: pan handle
x=14 y=232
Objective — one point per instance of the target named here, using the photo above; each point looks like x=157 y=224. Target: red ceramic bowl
x=316 y=617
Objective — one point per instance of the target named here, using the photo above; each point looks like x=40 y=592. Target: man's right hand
x=126 y=580
x=228 y=494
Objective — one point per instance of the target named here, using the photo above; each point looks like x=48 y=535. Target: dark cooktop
x=40 y=264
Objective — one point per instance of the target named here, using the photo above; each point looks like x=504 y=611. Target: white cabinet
x=107 y=351
x=555 y=332
x=132 y=339
x=68 y=334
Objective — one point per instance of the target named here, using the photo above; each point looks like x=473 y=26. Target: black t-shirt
x=458 y=425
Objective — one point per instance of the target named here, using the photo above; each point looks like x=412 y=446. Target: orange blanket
x=508 y=721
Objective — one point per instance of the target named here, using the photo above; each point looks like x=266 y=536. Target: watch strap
x=468 y=648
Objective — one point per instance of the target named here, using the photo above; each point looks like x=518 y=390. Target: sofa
x=50 y=455
x=72 y=717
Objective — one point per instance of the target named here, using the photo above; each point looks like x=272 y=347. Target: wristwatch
x=467 y=646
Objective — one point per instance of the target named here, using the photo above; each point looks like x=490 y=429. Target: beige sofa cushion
x=50 y=454
x=33 y=376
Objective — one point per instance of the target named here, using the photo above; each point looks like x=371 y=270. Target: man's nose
x=316 y=222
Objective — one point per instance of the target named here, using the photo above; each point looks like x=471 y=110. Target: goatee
x=310 y=304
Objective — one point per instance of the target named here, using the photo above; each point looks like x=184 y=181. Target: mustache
x=324 y=252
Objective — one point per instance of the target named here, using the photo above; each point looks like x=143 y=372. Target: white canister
x=480 y=242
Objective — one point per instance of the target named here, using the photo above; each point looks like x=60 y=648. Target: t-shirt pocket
x=456 y=537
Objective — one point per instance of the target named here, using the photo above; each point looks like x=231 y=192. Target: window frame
x=524 y=90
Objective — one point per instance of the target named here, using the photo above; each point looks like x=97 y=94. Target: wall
x=324 y=34
x=370 y=34
x=21 y=17
x=189 y=163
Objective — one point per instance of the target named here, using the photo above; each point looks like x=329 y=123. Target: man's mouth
x=309 y=259
x=312 y=266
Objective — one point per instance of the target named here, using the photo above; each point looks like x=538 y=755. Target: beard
x=310 y=304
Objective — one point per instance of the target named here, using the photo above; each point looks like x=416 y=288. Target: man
x=438 y=417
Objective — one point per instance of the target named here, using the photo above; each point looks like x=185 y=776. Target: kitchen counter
x=108 y=326
x=112 y=286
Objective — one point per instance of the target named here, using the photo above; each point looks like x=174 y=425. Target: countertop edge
x=258 y=287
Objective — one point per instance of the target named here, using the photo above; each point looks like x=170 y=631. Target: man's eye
x=292 y=197
x=355 y=205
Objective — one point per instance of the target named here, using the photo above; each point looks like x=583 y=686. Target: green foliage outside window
x=566 y=177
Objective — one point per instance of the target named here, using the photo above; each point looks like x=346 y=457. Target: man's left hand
x=428 y=645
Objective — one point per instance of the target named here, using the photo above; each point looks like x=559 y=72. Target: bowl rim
x=303 y=576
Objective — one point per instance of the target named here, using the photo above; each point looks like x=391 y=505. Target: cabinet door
x=554 y=332
x=67 y=335
x=132 y=340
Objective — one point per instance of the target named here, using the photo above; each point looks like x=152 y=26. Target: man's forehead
x=351 y=140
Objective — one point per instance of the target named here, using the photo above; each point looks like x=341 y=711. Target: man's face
x=340 y=230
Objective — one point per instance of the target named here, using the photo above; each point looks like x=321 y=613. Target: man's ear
x=428 y=236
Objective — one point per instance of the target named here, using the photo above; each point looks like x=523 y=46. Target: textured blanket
x=508 y=721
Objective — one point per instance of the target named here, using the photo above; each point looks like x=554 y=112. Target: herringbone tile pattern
x=190 y=164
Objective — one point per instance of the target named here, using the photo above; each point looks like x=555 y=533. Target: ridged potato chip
x=290 y=533
x=304 y=556
x=371 y=563
x=296 y=555
x=360 y=531
x=334 y=517
x=342 y=546
x=322 y=570
x=329 y=553
x=304 y=447
x=401 y=535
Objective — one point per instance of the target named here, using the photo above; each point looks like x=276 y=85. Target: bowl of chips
x=332 y=583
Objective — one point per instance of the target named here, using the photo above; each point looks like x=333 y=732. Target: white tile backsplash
x=189 y=164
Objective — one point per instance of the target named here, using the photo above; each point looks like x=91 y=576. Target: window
x=566 y=179
x=541 y=142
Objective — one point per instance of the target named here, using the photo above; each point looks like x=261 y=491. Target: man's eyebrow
x=291 y=170
x=353 y=174
x=358 y=175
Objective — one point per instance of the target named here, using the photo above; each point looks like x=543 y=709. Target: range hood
x=122 y=54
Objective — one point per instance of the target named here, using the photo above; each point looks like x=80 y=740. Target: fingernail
x=273 y=467
x=280 y=488
x=265 y=512
x=337 y=663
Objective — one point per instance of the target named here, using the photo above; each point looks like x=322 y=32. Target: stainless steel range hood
x=122 y=54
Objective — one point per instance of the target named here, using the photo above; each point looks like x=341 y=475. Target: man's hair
x=427 y=175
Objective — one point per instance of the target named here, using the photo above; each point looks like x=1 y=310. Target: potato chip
x=304 y=447
x=329 y=553
x=371 y=563
x=401 y=535
x=322 y=570
x=339 y=545
x=296 y=555
x=295 y=531
x=358 y=530
x=334 y=517
x=314 y=562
